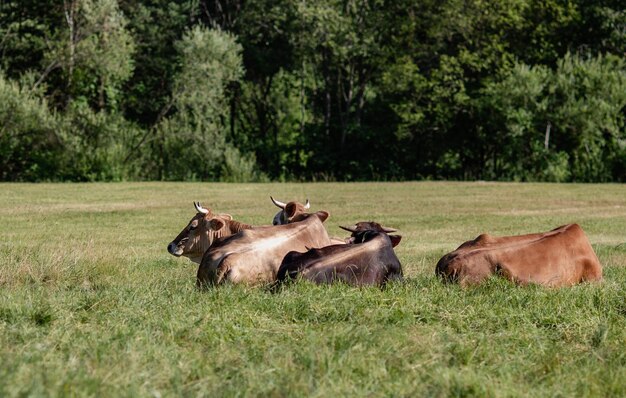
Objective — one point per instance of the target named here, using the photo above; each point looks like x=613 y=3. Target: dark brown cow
x=561 y=257
x=368 y=259
x=288 y=211
x=253 y=256
x=201 y=231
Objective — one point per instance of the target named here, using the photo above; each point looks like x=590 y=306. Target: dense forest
x=234 y=90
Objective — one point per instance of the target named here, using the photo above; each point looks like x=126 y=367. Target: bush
x=588 y=100
x=98 y=143
x=31 y=147
x=240 y=168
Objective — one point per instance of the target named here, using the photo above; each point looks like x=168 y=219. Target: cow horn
x=199 y=208
x=349 y=229
x=387 y=230
x=278 y=203
x=307 y=205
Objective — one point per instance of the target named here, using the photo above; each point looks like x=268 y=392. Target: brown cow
x=253 y=256
x=561 y=257
x=201 y=231
x=291 y=211
x=368 y=259
x=288 y=211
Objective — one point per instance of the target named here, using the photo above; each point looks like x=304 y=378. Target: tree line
x=234 y=90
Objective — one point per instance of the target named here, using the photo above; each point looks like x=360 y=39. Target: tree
x=94 y=51
x=194 y=137
x=588 y=101
x=557 y=125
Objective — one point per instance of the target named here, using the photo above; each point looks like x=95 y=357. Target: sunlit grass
x=92 y=304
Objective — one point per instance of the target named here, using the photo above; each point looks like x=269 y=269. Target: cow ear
x=395 y=240
x=298 y=218
x=226 y=216
x=216 y=224
x=322 y=215
x=388 y=230
x=290 y=209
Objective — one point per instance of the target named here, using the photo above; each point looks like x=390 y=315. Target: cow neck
x=213 y=236
x=236 y=226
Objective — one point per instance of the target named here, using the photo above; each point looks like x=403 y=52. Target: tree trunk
x=360 y=97
x=327 y=113
x=69 y=9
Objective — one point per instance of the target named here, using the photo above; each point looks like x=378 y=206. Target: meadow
x=91 y=303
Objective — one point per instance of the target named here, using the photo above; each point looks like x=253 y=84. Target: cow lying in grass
x=561 y=257
x=368 y=259
x=206 y=227
x=292 y=210
x=201 y=231
x=253 y=256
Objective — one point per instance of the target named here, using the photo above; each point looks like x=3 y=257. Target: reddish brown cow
x=253 y=256
x=201 y=231
x=561 y=257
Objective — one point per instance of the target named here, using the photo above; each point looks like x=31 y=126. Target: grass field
x=91 y=303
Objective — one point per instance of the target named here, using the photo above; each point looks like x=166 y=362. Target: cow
x=367 y=259
x=291 y=211
x=561 y=257
x=201 y=231
x=252 y=256
x=288 y=211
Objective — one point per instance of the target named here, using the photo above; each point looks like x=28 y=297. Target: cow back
x=370 y=263
x=561 y=257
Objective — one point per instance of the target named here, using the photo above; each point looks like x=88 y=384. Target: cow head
x=365 y=230
x=198 y=235
x=288 y=211
x=449 y=267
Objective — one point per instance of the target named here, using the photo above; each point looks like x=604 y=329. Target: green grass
x=91 y=304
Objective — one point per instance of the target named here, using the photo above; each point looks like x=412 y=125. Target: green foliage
x=78 y=145
x=514 y=111
x=239 y=168
x=328 y=89
x=589 y=104
x=155 y=26
x=25 y=29
x=94 y=51
x=31 y=148
x=557 y=125
x=287 y=115
x=195 y=135
x=211 y=60
x=96 y=143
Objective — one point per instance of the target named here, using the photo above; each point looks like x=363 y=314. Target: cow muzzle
x=174 y=249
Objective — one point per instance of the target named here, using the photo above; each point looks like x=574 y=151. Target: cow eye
x=193 y=225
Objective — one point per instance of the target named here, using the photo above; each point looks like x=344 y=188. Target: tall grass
x=91 y=303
